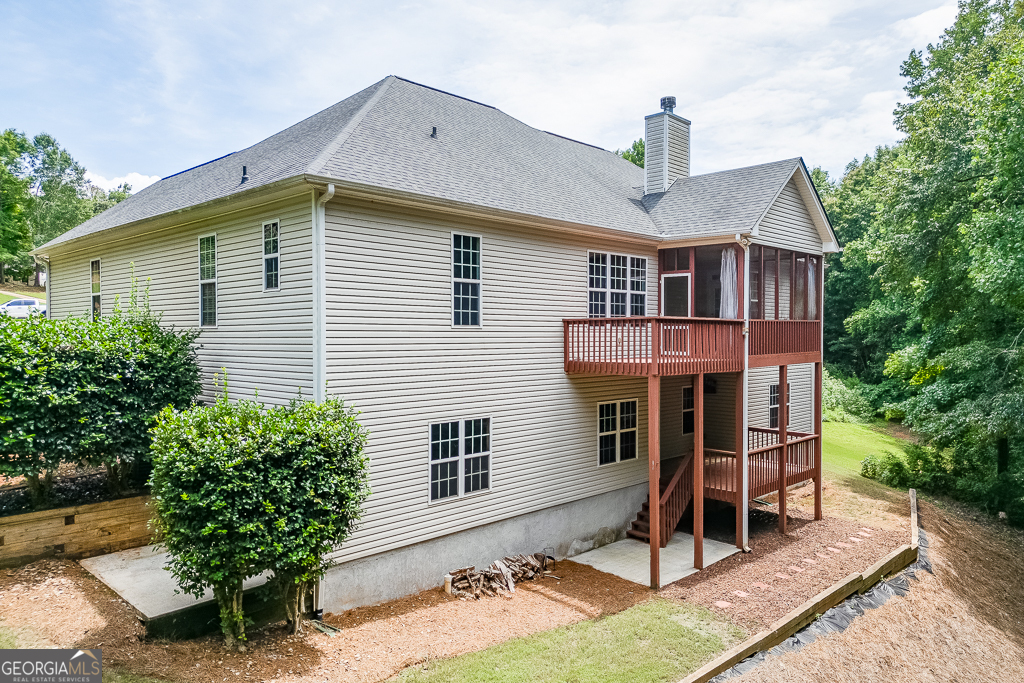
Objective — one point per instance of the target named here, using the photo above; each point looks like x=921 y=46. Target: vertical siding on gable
x=654 y=154
x=788 y=224
x=801 y=386
x=263 y=339
x=393 y=352
x=678 y=149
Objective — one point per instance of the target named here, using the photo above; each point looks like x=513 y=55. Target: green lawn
x=4 y=298
x=844 y=445
x=658 y=640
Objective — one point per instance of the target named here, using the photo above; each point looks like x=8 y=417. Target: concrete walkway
x=630 y=559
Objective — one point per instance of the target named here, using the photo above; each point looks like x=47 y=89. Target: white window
x=460 y=457
x=208 y=281
x=97 y=288
x=271 y=256
x=773 y=406
x=617 y=285
x=465 y=280
x=688 y=410
x=616 y=431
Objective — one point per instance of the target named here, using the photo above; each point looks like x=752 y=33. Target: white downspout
x=46 y=260
x=742 y=446
x=319 y=294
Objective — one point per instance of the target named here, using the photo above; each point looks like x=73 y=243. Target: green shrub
x=240 y=489
x=76 y=390
x=843 y=401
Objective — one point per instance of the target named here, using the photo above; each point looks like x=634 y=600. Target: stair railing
x=675 y=498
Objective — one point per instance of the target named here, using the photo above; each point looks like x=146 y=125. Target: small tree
x=76 y=390
x=239 y=489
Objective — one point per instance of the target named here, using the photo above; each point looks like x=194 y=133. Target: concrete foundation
x=569 y=529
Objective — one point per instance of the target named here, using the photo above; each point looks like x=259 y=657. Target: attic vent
x=433 y=132
x=668 y=104
x=245 y=176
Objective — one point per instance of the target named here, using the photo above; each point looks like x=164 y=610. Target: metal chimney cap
x=668 y=104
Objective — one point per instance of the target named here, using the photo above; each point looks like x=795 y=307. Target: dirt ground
x=57 y=603
x=782 y=572
x=965 y=623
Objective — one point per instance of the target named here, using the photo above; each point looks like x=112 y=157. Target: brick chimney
x=666 y=148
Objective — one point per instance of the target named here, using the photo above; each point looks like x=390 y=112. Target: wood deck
x=649 y=346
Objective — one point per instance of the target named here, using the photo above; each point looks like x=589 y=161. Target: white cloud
x=136 y=180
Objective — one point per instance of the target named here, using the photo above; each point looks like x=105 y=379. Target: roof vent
x=433 y=131
x=245 y=176
x=668 y=104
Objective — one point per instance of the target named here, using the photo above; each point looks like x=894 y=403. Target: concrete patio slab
x=630 y=559
x=138 y=576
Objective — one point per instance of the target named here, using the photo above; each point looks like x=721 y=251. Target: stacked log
x=499 y=578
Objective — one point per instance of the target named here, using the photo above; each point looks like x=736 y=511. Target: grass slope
x=659 y=640
x=4 y=298
x=844 y=445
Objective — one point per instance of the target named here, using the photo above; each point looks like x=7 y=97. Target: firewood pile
x=500 y=578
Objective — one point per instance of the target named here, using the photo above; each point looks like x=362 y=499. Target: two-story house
x=539 y=334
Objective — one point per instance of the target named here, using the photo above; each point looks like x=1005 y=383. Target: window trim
x=686 y=410
x=689 y=291
x=214 y=281
x=629 y=281
x=92 y=295
x=277 y=254
x=789 y=404
x=618 y=432
x=453 y=280
x=462 y=495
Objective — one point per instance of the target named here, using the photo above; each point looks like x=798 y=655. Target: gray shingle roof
x=380 y=137
x=726 y=202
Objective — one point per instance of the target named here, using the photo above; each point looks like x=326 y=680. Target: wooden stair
x=676 y=493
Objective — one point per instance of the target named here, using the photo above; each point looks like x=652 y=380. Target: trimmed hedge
x=80 y=391
x=239 y=489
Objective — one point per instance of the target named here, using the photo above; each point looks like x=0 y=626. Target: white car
x=23 y=308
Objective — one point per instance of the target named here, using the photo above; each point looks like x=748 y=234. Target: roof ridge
x=445 y=92
x=316 y=166
x=743 y=168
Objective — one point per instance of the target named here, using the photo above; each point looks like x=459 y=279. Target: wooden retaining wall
x=75 y=532
x=783 y=628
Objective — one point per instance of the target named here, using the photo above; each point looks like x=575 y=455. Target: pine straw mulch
x=57 y=603
x=965 y=623
x=782 y=572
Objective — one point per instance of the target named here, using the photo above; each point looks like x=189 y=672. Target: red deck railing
x=675 y=499
x=783 y=342
x=644 y=346
x=763 y=461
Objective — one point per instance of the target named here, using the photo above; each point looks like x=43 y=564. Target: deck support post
x=654 y=474
x=698 y=471
x=817 y=442
x=783 y=442
x=739 y=488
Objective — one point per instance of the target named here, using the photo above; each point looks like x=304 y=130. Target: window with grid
x=617 y=285
x=96 y=304
x=465 y=280
x=271 y=256
x=773 y=406
x=208 y=281
x=688 y=411
x=616 y=432
x=460 y=446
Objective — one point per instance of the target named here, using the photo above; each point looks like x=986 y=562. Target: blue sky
x=152 y=88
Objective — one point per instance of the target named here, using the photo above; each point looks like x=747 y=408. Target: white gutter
x=319 y=293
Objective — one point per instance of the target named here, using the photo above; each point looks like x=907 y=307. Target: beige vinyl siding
x=674 y=444
x=801 y=385
x=393 y=352
x=769 y=287
x=788 y=224
x=263 y=339
x=654 y=154
x=719 y=413
x=678 y=149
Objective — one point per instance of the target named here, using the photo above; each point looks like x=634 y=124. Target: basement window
x=460 y=457
x=773 y=406
x=616 y=431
